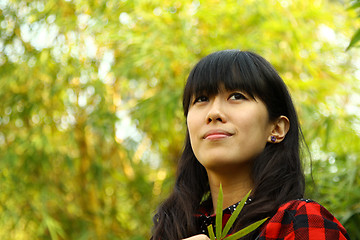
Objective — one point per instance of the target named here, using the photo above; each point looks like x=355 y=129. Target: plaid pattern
x=303 y=220
x=295 y=220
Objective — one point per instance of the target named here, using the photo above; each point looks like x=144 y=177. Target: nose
x=216 y=112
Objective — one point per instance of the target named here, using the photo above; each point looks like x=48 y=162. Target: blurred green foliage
x=355 y=5
x=91 y=124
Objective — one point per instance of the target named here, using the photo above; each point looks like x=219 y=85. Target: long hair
x=276 y=172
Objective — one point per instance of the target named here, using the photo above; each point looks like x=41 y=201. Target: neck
x=235 y=186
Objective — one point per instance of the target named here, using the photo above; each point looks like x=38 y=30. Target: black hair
x=277 y=172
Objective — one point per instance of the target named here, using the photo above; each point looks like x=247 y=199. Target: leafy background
x=91 y=125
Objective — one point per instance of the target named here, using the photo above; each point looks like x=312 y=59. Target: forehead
x=223 y=92
x=231 y=71
x=211 y=86
x=228 y=72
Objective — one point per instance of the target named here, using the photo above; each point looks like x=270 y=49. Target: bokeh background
x=91 y=126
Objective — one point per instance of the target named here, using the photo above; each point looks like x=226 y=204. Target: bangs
x=234 y=70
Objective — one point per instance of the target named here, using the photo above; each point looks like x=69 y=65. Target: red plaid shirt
x=294 y=220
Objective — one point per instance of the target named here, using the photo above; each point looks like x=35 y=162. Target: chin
x=214 y=164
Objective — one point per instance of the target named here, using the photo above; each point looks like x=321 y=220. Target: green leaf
x=354 y=39
x=220 y=233
x=211 y=232
x=246 y=230
x=218 y=220
x=354 y=5
x=234 y=215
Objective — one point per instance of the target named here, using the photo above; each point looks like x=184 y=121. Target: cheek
x=249 y=122
x=254 y=126
x=194 y=125
x=191 y=126
x=191 y=136
x=192 y=121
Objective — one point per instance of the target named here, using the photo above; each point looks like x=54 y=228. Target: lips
x=217 y=134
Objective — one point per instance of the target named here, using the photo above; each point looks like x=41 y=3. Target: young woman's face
x=228 y=129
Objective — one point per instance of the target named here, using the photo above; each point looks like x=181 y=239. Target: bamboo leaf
x=211 y=232
x=355 y=5
x=234 y=215
x=246 y=230
x=354 y=39
x=218 y=221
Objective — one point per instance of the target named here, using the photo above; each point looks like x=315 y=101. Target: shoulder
x=303 y=219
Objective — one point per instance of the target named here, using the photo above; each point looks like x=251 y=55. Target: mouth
x=217 y=135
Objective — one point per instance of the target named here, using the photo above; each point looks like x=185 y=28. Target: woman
x=242 y=132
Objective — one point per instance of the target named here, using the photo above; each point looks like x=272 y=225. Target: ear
x=279 y=129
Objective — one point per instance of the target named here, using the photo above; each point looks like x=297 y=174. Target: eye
x=201 y=99
x=237 y=96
